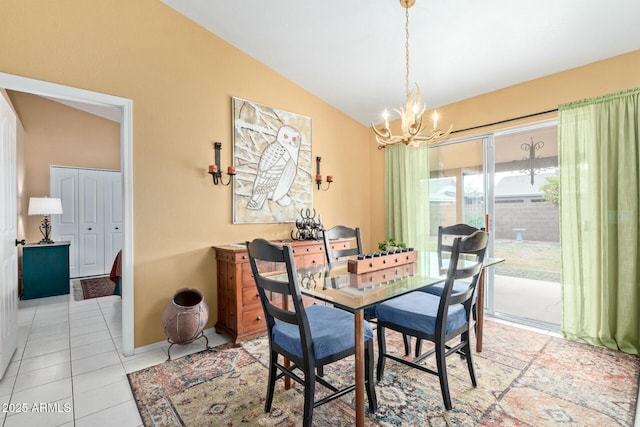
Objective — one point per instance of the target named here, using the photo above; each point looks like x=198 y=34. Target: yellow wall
x=600 y=78
x=181 y=79
x=56 y=134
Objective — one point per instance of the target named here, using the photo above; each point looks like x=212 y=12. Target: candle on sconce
x=435 y=120
x=318 y=177
x=231 y=170
x=213 y=168
x=329 y=178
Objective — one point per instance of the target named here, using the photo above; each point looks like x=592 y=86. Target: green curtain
x=599 y=158
x=406 y=189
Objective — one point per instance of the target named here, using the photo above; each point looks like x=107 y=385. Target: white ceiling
x=350 y=53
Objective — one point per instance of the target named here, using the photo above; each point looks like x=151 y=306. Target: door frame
x=68 y=93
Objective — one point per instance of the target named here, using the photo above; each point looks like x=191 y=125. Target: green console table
x=45 y=270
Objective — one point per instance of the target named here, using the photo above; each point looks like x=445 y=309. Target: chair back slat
x=474 y=245
x=342 y=232
x=282 y=315
x=446 y=236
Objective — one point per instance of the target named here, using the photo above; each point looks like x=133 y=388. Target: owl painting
x=276 y=170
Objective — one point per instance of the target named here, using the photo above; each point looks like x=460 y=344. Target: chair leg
x=309 y=393
x=442 y=374
x=418 y=346
x=382 y=352
x=371 y=388
x=407 y=344
x=469 y=357
x=273 y=371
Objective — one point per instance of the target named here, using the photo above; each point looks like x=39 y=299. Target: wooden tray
x=366 y=265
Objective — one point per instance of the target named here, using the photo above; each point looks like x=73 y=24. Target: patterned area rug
x=97 y=287
x=524 y=379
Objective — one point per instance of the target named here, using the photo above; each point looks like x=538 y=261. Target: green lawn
x=531 y=260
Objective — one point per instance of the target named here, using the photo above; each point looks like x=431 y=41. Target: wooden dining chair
x=446 y=235
x=342 y=232
x=439 y=319
x=309 y=337
x=333 y=255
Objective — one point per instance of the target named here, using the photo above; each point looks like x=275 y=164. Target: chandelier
x=412 y=126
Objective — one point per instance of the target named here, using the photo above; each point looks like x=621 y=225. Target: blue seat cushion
x=459 y=286
x=369 y=312
x=332 y=331
x=419 y=311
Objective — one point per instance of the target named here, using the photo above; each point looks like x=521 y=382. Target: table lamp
x=45 y=206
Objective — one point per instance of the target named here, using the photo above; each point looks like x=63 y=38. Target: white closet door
x=113 y=216
x=64 y=185
x=91 y=225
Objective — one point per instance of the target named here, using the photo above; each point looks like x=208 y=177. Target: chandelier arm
x=385 y=135
x=416 y=127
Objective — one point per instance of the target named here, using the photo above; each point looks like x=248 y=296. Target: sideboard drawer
x=250 y=297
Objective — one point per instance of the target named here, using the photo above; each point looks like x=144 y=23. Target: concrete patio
x=531 y=299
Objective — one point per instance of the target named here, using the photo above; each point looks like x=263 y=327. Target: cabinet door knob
x=117 y=228
x=259 y=318
x=90 y=228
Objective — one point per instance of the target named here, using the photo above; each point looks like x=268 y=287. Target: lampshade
x=45 y=206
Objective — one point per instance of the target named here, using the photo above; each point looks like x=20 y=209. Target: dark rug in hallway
x=524 y=379
x=97 y=287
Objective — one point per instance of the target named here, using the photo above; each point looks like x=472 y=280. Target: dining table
x=354 y=292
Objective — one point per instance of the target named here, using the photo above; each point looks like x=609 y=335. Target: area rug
x=96 y=287
x=524 y=379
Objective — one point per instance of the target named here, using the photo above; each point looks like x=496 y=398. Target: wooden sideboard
x=240 y=314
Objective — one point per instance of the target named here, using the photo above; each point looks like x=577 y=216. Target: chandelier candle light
x=412 y=126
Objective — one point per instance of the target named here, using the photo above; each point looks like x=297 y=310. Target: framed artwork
x=272 y=156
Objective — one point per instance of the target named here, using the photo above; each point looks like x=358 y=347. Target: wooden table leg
x=480 y=311
x=359 y=356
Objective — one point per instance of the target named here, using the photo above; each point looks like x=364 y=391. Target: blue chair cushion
x=370 y=312
x=332 y=331
x=419 y=311
x=459 y=286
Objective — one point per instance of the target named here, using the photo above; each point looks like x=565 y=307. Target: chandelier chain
x=406 y=49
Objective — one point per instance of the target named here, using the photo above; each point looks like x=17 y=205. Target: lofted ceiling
x=350 y=53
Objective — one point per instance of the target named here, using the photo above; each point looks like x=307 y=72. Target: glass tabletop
x=334 y=284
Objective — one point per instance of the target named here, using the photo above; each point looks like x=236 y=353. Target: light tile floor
x=69 y=369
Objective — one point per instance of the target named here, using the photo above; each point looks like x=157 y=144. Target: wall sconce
x=319 y=177
x=215 y=171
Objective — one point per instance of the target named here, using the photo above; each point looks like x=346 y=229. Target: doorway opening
x=124 y=106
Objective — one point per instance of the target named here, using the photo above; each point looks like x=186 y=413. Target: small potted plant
x=391 y=244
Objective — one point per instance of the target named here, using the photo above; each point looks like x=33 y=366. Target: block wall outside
x=540 y=220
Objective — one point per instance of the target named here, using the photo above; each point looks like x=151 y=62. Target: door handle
x=20 y=242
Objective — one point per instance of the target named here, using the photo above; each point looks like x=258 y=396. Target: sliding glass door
x=509 y=177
